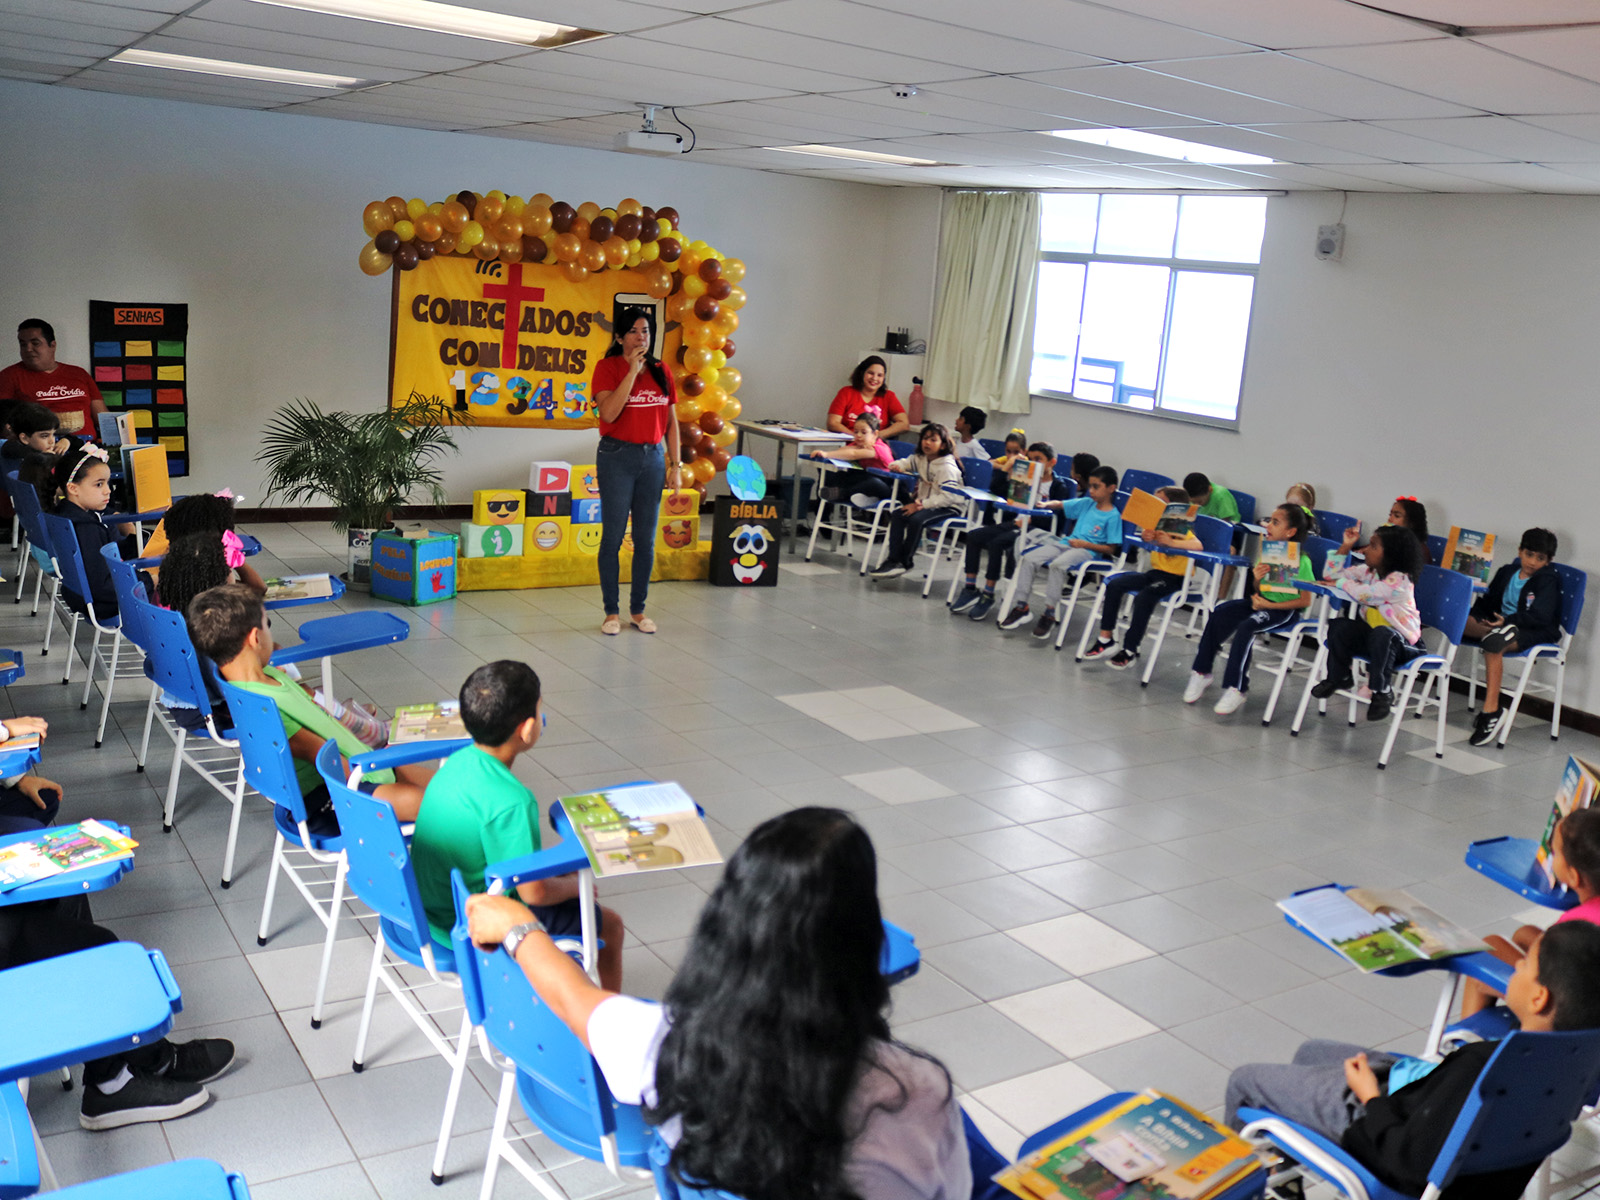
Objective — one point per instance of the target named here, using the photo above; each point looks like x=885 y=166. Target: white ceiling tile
x=1136 y=85
x=844 y=117
x=32 y=41
x=322 y=108
x=242 y=38
x=32 y=72
x=609 y=16
x=1466 y=73
x=776 y=45
x=1579 y=125
x=1503 y=137
x=1529 y=177
x=1297 y=177
x=136 y=6
x=856 y=25
x=81 y=24
x=555 y=104
x=1067 y=108
x=573 y=72
x=924 y=110
x=1405 y=175
x=1270 y=145
x=643 y=50
x=1575 y=51
x=1278 y=25
x=50 y=62
x=1378 y=142
x=1091 y=29
x=1496 y=12
x=454 y=108
x=292 y=60
x=935 y=104
x=1291 y=80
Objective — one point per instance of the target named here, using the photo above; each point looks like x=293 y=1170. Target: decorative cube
x=550 y=477
x=587 y=538
x=585 y=512
x=675 y=505
x=490 y=541
x=585 y=482
x=414 y=570
x=680 y=533
x=745 y=538
x=497 y=507
x=547 y=535
x=547 y=504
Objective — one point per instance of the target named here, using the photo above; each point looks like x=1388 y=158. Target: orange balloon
x=508 y=229
x=588 y=210
x=688 y=409
x=511 y=252
x=731 y=408
x=581 y=227
x=713 y=399
x=730 y=378
x=733 y=269
x=376 y=217
x=615 y=250
x=444 y=243
x=487 y=248
x=726 y=323
x=454 y=216
x=397 y=207
x=566 y=248
x=703 y=470
x=428 y=228
x=630 y=206
x=372 y=260
x=536 y=219
x=658 y=284
x=696 y=359
x=699 y=334
x=729 y=434
x=735 y=299
x=679 y=306
x=576 y=272
x=540 y=200
x=689 y=262
x=489 y=210
x=592 y=256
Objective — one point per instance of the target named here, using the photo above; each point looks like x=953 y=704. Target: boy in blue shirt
x=1000 y=541
x=1522 y=608
x=1096 y=533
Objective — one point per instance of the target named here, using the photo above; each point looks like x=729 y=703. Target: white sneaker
x=1198 y=684
x=1232 y=701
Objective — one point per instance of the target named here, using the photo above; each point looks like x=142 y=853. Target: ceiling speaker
x=1330 y=242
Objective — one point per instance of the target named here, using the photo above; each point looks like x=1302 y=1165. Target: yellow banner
x=510 y=344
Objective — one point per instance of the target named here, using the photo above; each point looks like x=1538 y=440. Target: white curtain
x=981 y=350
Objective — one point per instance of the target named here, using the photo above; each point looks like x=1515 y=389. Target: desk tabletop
x=96 y=877
x=791 y=431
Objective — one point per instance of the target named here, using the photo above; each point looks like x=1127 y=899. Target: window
x=1144 y=301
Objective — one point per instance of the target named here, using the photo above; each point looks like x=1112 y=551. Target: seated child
x=230 y=626
x=35 y=434
x=968 y=425
x=207 y=514
x=1263 y=609
x=477 y=812
x=1304 y=496
x=27 y=802
x=867 y=448
x=934 y=464
x=1522 y=608
x=1394 y=1122
x=1575 y=859
x=198 y=562
x=1410 y=513
x=1016 y=445
x=83 y=485
x=1000 y=541
x=1214 y=499
x=1096 y=534
x=1084 y=465
x=1165 y=576
x=1389 y=634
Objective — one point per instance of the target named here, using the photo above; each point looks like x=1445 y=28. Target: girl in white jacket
x=935 y=464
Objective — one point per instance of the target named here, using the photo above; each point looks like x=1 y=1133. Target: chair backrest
x=1331 y=524
x=977 y=472
x=63 y=543
x=1573 y=583
x=1215 y=534
x=1120 y=500
x=993 y=447
x=25 y=500
x=1069 y=483
x=1436 y=544
x=1523 y=1105
x=900 y=449
x=171 y=660
x=380 y=871
x=1247 y=505
x=264 y=748
x=1443 y=599
x=1319 y=548
x=125 y=582
x=1148 y=480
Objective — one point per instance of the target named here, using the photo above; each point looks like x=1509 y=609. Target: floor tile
x=993 y=965
x=1074 y=1018
x=264 y=1136
x=1080 y=943
x=980 y=1045
x=1040 y=1098
x=899 y=785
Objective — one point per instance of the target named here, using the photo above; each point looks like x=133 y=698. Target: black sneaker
x=1100 y=649
x=1016 y=618
x=1045 y=625
x=142 y=1098
x=1123 y=659
x=1483 y=728
x=1380 y=706
x=199 y=1061
x=982 y=607
x=968 y=597
x=1330 y=685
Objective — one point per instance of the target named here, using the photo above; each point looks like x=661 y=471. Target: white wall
x=1452 y=355
x=254 y=220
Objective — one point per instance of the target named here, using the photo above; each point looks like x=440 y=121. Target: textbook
x=1024 y=482
x=116 y=429
x=1149 y=1147
x=298 y=587
x=1377 y=927
x=145 y=473
x=1282 y=561
x=1579 y=784
x=1151 y=513
x=1470 y=552
x=53 y=851
x=640 y=827
x=23 y=741
x=427 y=722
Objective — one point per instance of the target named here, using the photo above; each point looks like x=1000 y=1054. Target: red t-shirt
x=850 y=404
x=66 y=391
x=644 y=417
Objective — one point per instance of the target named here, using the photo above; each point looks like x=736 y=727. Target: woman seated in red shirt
x=866 y=393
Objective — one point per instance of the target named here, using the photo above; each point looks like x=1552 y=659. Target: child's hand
x=31 y=785
x=21 y=726
x=914 y=506
x=1159 y=537
x=1497 y=619
x=1351 y=535
x=1260 y=571
x=1077 y=543
x=1258 y=602
x=1359 y=1077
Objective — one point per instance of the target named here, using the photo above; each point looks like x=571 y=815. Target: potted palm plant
x=367 y=464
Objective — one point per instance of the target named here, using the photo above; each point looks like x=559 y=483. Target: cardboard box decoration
x=490 y=541
x=501 y=506
x=550 y=477
x=745 y=539
x=547 y=536
x=414 y=570
x=585 y=482
x=679 y=533
x=675 y=505
x=587 y=539
x=546 y=504
x=585 y=512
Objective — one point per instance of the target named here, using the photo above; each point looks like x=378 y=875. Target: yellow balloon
x=703 y=469
x=696 y=359
x=733 y=269
x=471 y=235
x=731 y=409
x=495 y=194
x=709 y=374
x=405 y=230
x=729 y=434
x=633 y=261
x=630 y=207
x=713 y=399
x=609 y=212
x=373 y=261
x=735 y=299
x=699 y=333
x=649 y=252
x=688 y=409
x=415 y=208
x=515 y=205
x=718 y=358
x=436 y=208
x=693 y=286
x=663 y=227
x=729 y=377
x=701 y=247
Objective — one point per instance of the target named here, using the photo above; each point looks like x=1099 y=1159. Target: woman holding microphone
x=635 y=394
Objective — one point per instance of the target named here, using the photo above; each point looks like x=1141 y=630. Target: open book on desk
x=53 y=851
x=298 y=587
x=640 y=827
x=1375 y=928
x=427 y=722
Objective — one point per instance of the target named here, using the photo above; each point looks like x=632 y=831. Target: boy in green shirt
x=477 y=812
x=229 y=625
x=1214 y=500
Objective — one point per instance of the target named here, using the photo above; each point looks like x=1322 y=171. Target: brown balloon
x=428 y=228
x=387 y=241
x=583 y=229
x=406 y=256
x=601 y=228
x=397 y=205
x=728 y=347
x=647 y=215
x=445 y=243
x=718 y=289
x=720 y=459
x=425 y=250
x=467 y=200
x=649 y=231
x=668 y=214
x=627 y=226
x=706 y=308
x=710 y=423
x=562 y=215
x=693 y=385
x=671 y=248
x=710 y=269
x=700 y=490
x=533 y=249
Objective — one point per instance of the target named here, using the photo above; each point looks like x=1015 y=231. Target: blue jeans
x=631 y=476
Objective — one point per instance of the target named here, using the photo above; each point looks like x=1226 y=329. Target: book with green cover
x=53 y=851
x=1580 y=782
x=427 y=722
x=1376 y=928
x=640 y=827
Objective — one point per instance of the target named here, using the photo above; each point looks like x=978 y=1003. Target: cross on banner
x=513 y=293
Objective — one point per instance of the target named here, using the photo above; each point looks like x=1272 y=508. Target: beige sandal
x=643 y=624
x=612 y=625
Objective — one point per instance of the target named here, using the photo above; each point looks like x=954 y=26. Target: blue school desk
x=76 y=882
x=337 y=589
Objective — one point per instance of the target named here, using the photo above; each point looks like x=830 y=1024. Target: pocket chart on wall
x=138 y=356
x=511 y=344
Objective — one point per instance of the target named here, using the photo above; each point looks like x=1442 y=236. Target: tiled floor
x=1089 y=867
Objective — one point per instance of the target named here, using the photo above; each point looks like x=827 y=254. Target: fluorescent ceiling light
x=447 y=18
x=872 y=156
x=235 y=70
x=1157 y=146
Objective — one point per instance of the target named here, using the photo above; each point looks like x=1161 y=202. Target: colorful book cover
x=1024 y=482
x=427 y=722
x=1177 y=519
x=1282 y=561
x=298 y=587
x=640 y=827
x=54 y=851
x=1377 y=927
x=1469 y=551
x=1143 y=509
x=1109 y=1157
x=1580 y=782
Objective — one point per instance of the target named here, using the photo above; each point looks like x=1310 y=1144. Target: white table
x=789 y=433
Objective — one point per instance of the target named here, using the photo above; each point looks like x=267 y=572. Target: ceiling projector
x=648 y=141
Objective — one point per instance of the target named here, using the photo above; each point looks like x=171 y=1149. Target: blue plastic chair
x=1573 y=585
x=1331 y=524
x=1520 y=1112
x=1313 y=625
x=379 y=873
x=1443 y=600
x=901 y=449
x=1436 y=545
x=1135 y=479
x=189 y=1178
x=1247 y=506
x=32 y=544
x=993 y=447
x=73 y=600
x=946 y=536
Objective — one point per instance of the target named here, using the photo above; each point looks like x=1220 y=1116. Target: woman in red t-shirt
x=635 y=395
x=866 y=393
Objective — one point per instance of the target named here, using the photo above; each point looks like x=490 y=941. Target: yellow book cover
x=152 y=485
x=1143 y=509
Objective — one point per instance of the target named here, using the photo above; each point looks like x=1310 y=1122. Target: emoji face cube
x=500 y=507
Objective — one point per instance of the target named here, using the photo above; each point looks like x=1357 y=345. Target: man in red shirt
x=61 y=387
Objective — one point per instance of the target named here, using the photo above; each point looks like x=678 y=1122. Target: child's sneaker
x=982 y=607
x=862 y=500
x=1198 y=684
x=1045 y=625
x=890 y=570
x=1016 y=618
x=1100 y=649
x=968 y=597
x=141 y=1098
x=1380 y=706
x=1484 y=726
x=1123 y=659
x=1330 y=685
x=1230 y=702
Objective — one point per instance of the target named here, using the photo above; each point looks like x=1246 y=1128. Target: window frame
x=1174 y=266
